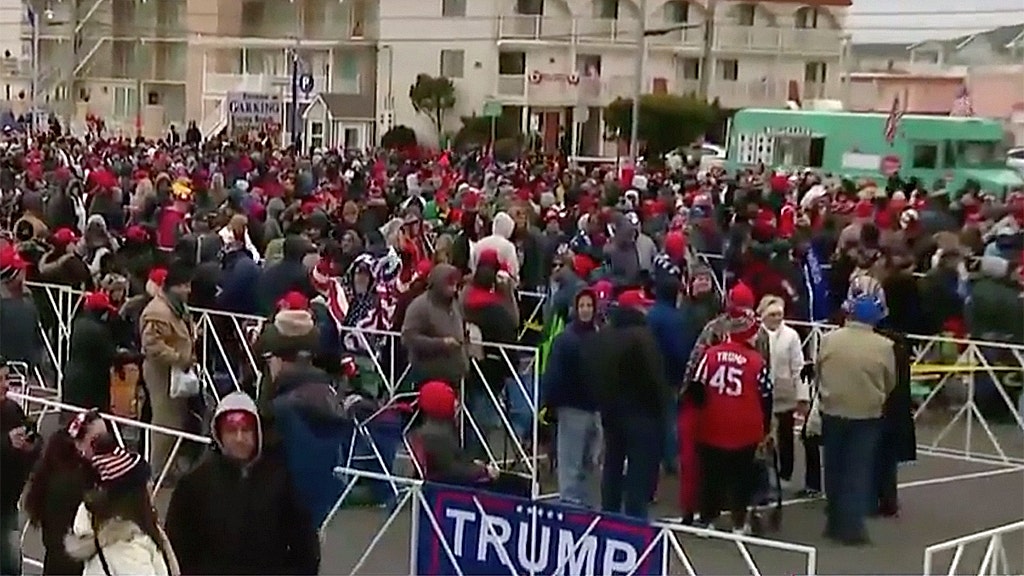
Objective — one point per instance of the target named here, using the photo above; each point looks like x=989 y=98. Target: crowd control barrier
x=501 y=392
x=43 y=408
x=994 y=562
x=455 y=530
x=968 y=378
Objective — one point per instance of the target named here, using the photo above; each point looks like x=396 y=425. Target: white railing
x=120 y=427
x=224 y=350
x=668 y=535
x=994 y=562
x=512 y=85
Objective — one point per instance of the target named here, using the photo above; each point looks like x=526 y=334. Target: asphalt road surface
x=942 y=498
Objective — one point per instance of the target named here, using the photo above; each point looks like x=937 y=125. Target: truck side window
x=925 y=156
x=950 y=159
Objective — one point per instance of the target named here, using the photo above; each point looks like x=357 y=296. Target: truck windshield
x=976 y=154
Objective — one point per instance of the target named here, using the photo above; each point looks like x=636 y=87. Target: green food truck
x=849 y=144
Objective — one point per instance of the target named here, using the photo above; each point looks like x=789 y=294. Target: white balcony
x=685 y=38
x=606 y=31
x=511 y=85
x=813 y=41
x=218 y=84
x=532 y=29
x=535 y=28
x=767 y=92
x=748 y=38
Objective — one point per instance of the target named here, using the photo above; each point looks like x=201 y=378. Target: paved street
x=943 y=498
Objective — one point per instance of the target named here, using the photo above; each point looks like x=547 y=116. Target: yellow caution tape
x=954 y=369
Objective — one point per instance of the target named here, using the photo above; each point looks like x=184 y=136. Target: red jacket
x=737 y=396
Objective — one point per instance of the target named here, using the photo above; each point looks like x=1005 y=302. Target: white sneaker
x=745 y=531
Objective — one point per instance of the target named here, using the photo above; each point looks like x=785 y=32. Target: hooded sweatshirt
x=500 y=242
x=432 y=317
x=228 y=517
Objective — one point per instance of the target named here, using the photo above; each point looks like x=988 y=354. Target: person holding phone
x=19 y=448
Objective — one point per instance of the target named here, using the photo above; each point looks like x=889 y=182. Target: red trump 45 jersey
x=737 y=406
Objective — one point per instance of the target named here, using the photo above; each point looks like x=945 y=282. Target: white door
x=352 y=136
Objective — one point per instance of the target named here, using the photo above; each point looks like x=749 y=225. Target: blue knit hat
x=866 y=309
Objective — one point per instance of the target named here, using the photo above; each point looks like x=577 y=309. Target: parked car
x=1015 y=159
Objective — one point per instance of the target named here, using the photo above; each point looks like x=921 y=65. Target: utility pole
x=296 y=133
x=34 y=91
x=638 y=84
x=706 y=60
x=139 y=71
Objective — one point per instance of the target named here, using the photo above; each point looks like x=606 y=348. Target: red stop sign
x=891 y=164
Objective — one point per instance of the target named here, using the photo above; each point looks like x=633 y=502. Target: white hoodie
x=503 y=227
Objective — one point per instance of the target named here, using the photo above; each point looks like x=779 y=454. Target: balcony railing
x=606 y=31
x=537 y=28
x=218 y=83
x=564 y=29
x=750 y=93
x=511 y=85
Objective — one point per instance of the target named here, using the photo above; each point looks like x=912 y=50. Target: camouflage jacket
x=715 y=332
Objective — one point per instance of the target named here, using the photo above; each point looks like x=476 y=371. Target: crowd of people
x=646 y=368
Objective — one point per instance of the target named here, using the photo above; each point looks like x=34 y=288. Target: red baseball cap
x=634 y=299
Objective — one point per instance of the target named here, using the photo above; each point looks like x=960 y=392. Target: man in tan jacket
x=168 y=342
x=856 y=372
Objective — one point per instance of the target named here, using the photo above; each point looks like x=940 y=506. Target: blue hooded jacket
x=673 y=331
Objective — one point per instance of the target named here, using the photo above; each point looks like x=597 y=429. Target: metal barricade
x=674 y=554
x=118 y=426
x=994 y=562
x=968 y=364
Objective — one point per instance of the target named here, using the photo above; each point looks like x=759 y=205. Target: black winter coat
x=14 y=464
x=64 y=492
x=629 y=367
x=226 y=520
x=87 y=376
x=898 y=411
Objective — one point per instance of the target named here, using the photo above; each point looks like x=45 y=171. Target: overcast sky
x=875 y=21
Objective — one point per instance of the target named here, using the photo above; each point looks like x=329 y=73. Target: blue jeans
x=10 y=545
x=576 y=438
x=638 y=439
x=849 y=474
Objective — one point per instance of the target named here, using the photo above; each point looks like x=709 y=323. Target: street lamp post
x=638 y=70
x=638 y=84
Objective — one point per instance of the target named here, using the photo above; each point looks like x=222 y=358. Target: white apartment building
x=156 y=62
x=543 y=59
x=145 y=64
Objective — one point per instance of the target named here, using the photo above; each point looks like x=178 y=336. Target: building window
x=452 y=63
x=607 y=9
x=691 y=68
x=252 y=14
x=807 y=17
x=124 y=102
x=677 y=12
x=745 y=14
x=925 y=156
x=511 y=63
x=530 y=7
x=453 y=8
x=728 y=70
x=316 y=135
x=815 y=72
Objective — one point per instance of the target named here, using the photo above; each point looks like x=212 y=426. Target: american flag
x=892 y=123
x=962 y=106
